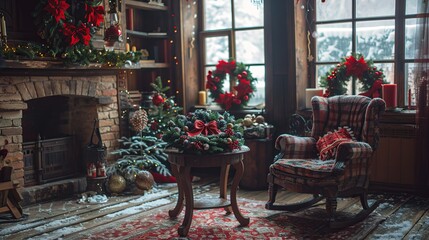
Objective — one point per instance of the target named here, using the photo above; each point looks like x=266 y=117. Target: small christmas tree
x=162 y=111
x=145 y=149
x=139 y=152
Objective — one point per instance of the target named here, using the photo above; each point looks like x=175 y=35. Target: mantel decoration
x=335 y=81
x=204 y=132
x=237 y=72
x=67 y=27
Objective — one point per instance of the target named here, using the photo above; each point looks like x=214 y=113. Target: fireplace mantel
x=57 y=68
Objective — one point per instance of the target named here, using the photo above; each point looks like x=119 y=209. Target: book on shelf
x=130 y=18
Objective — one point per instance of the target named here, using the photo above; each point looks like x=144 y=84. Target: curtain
x=421 y=81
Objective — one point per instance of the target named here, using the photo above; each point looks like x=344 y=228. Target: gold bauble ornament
x=260 y=119
x=247 y=122
x=144 y=180
x=117 y=183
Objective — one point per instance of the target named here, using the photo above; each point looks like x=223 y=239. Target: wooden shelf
x=145 y=6
x=154 y=65
x=147 y=35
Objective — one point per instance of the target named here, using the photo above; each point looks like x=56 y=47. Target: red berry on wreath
x=157 y=99
x=239 y=76
x=246 y=98
x=244 y=73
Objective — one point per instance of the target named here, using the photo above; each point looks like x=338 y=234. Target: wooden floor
x=68 y=219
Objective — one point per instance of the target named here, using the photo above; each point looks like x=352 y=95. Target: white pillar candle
x=3 y=27
x=202 y=97
x=309 y=93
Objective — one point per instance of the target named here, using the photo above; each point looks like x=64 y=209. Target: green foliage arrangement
x=204 y=132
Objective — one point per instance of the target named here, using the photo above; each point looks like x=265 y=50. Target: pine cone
x=139 y=120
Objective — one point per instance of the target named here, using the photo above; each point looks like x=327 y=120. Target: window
x=234 y=29
x=382 y=30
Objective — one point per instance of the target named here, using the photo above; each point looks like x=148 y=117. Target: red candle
x=409 y=98
x=389 y=92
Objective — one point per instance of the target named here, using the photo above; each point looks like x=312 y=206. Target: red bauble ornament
x=157 y=99
x=154 y=126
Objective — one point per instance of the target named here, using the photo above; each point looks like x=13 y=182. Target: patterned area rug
x=216 y=224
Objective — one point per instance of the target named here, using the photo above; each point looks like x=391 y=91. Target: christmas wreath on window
x=204 y=132
x=241 y=79
x=371 y=78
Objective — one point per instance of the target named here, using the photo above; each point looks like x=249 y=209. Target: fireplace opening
x=54 y=133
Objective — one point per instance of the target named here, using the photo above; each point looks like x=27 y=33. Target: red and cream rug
x=216 y=224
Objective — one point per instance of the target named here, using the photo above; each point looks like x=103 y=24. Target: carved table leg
x=224 y=172
x=244 y=221
x=185 y=181
x=179 y=205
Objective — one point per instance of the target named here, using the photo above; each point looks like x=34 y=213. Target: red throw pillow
x=327 y=145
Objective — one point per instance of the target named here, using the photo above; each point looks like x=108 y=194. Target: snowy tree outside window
x=374 y=28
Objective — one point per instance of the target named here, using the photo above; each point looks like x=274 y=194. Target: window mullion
x=354 y=41
x=399 y=64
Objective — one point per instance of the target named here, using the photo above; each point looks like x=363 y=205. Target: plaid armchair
x=330 y=163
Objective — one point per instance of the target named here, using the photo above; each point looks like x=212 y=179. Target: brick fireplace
x=57 y=108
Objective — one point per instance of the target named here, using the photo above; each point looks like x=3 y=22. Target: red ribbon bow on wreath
x=355 y=67
x=373 y=92
x=204 y=128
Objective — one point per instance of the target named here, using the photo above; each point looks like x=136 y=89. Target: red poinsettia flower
x=76 y=34
x=243 y=88
x=57 y=8
x=227 y=100
x=210 y=84
x=225 y=67
x=94 y=15
x=355 y=67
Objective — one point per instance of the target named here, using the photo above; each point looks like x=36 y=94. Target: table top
x=243 y=149
x=206 y=160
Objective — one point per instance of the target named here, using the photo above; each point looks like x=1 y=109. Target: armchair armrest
x=353 y=150
x=291 y=146
x=357 y=152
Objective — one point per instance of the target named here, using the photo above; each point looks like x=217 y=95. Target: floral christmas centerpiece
x=204 y=132
x=371 y=78
x=67 y=27
x=241 y=79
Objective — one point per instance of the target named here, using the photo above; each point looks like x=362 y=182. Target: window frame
x=230 y=33
x=399 y=61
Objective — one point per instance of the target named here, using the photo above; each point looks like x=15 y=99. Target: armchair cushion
x=314 y=168
x=296 y=147
x=328 y=144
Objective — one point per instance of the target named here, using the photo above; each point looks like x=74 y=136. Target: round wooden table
x=181 y=165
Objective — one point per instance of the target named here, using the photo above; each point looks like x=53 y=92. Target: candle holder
x=3 y=41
